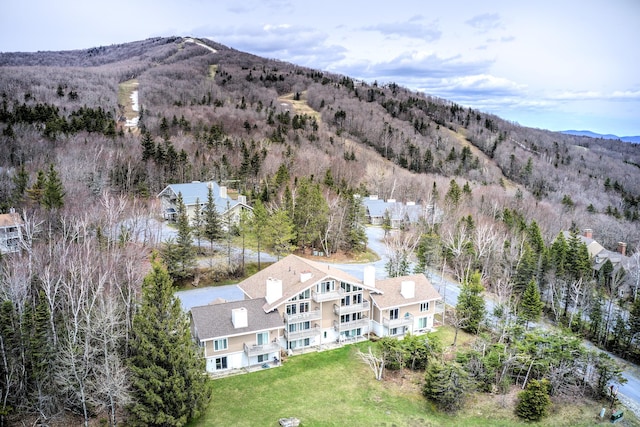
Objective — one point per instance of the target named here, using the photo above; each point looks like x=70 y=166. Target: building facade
x=297 y=304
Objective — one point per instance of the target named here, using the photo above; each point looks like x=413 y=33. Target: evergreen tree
x=198 y=222
x=530 y=304
x=179 y=255
x=148 y=146
x=470 y=304
x=454 y=195
x=534 y=402
x=53 y=193
x=279 y=233
x=211 y=220
x=36 y=191
x=168 y=384
x=447 y=385
x=525 y=271
x=311 y=213
x=20 y=183
x=356 y=239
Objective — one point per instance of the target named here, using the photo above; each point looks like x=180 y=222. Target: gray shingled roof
x=193 y=191
x=213 y=321
x=289 y=270
x=391 y=296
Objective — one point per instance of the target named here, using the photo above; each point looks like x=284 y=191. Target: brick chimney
x=588 y=233
x=622 y=248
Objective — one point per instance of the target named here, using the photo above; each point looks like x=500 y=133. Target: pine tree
x=534 y=402
x=471 y=303
x=447 y=385
x=280 y=233
x=36 y=191
x=179 y=254
x=454 y=195
x=211 y=220
x=168 y=385
x=530 y=304
x=53 y=193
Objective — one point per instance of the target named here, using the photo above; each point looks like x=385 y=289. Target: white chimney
x=304 y=276
x=408 y=289
x=239 y=318
x=411 y=203
x=223 y=192
x=391 y=200
x=274 y=290
x=242 y=199
x=210 y=185
x=373 y=197
x=370 y=276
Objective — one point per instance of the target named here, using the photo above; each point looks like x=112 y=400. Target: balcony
x=256 y=350
x=360 y=323
x=301 y=334
x=395 y=323
x=439 y=307
x=327 y=296
x=300 y=317
x=348 y=309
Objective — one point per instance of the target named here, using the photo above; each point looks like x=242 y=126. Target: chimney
x=369 y=276
x=411 y=203
x=274 y=290
x=242 y=199
x=373 y=197
x=223 y=192
x=239 y=318
x=622 y=248
x=391 y=200
x=304 y=276
x=408 y=289
x=588 y=233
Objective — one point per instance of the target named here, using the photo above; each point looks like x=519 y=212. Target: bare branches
x=376 y=363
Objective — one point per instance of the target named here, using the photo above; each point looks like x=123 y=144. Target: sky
x=550 y=64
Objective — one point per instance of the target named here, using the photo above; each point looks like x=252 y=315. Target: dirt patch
x=405 y=379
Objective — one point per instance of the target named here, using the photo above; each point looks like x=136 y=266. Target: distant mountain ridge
x=634 y=139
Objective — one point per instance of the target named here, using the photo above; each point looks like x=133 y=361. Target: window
x=326 y=287
x=262 y=338
x=422 y=322
x=263 y=358
x=304 y=307
x=220 y=344
x=221 y=363
x=393 y=331
x=393 y=314
x=292 y=309
x=305 y=295
x=424 y=306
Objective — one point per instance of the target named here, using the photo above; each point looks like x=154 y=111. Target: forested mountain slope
x=213 y=111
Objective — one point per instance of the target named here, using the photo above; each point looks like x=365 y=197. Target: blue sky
x=561 y=64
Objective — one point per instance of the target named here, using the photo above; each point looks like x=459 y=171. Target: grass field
x=334 y=388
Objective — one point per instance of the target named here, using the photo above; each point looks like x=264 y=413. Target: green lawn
x=334 y=388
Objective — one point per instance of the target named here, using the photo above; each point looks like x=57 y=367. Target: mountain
x=208 y=111
x=634 y=139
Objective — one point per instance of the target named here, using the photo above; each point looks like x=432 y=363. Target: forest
x=304 y=145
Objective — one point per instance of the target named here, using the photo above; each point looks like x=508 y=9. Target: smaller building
x=10 y=232
x=599 y=256
x=197 y=192
x=237 y=334
x=399 y=213
x=406 y=305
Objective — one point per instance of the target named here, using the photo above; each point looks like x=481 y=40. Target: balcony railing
x=327 y=296
x=394 y=323
x=309 y=315
x=304 y=333
x=360 y=323
x=439 y=307
x=348 y=309
x=255 y=350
